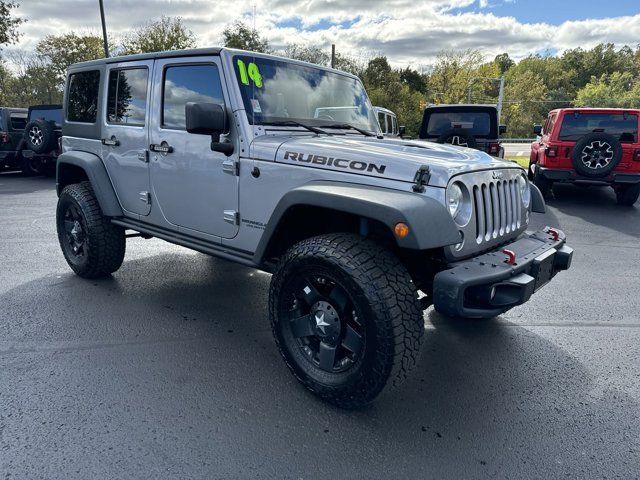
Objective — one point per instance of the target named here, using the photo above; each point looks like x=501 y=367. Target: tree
x=504 y=62
x=525 y=94
x=239 y=35
x=307 y=54
x=615 y=90
x=168 y=33
x=8 y=23
x=414 y=80
x=453 y=74
x=57 y=52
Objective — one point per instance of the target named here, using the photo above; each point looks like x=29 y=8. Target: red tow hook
x=511 y=257
x=555 y=235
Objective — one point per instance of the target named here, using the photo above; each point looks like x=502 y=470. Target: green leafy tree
x=452 y=75
x=8 y=23
x=239 y=35
x=168 y=33
x=57 y=52
x=524 y=96
x=615 y=90
x=504 y=62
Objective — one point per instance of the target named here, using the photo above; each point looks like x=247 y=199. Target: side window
x=127 y=96
x=382 y=121
x=552 y=122
x=188 y=83
x=82 y=96
x=18 y=122
x=394 y=123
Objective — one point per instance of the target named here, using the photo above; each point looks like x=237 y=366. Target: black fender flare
x=538 y=204
x=97 y=174
x=430 y=224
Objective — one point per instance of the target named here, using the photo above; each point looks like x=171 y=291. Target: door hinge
x=145 y=197
x=232 y=217
x=231 y=166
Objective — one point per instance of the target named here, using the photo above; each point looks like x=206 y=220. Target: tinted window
x=622 y=126
x=47 y=114
x=189 y=83
x=82 y=103
x=394 y=125
x=477 y=123
x=18 y=121
x=127 y=96
x=381 y=121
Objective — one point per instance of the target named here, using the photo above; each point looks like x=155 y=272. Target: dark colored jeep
x=472 y=126
x=12 y=123
x=41 y=139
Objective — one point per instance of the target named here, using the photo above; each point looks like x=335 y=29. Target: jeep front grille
x=498 y=214
x=497 y=207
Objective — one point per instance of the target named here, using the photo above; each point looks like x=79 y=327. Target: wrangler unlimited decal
x=335 y=162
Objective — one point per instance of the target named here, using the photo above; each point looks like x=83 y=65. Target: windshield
x=279 y=91
x=623 y=126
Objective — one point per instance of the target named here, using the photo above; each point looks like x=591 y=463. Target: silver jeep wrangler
x=279 y=165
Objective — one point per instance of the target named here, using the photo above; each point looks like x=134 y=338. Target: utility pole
x=333 y=55
x=500 y=97
x=104 y=30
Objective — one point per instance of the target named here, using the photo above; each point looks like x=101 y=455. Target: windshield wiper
x=284 y=123
x=348 y=126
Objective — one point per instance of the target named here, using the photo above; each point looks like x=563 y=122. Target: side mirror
x=502 y=129
x=402 y=130
x=537 y=129
x=209 y=119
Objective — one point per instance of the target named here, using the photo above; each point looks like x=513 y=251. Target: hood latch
x=421 y=178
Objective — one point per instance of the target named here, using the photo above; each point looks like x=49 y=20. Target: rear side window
x=82 y=96
x=394 y=126
x=47 y=114
x=477 y=123
x=127 y=97
x=623 y=126
x=188 y=83
x=18 y=121
x=382 y=121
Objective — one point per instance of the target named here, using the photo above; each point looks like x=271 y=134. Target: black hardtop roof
x=462 y=106
x=14 y=109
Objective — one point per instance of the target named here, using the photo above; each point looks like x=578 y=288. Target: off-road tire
x=105 y=242
x=466 y=139
x=380 y=287
x=30 y=166
x=585 y=146
x=40 y=136
x=627 y=195
x=544 y=184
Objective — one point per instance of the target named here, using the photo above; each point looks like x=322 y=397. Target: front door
x=196 y=188
x=125 y=138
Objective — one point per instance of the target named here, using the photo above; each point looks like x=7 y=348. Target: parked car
x=589 y=146
x=245 y=156
x=12 y=123
x=388 y=122
x=42 y=133
x=472 y=126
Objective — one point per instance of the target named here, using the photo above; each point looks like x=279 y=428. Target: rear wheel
x=30 y=165
x=346 y=317
x=544 y=184
x=627 y=194
x=91 y=244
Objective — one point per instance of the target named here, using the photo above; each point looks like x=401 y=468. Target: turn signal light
x=401 y=230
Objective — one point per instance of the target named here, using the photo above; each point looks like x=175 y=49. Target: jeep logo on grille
x=497 y=175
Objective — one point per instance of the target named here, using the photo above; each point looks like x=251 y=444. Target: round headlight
x=454 y=199
x=525 y=190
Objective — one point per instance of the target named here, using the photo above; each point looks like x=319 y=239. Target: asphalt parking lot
x=168 y=369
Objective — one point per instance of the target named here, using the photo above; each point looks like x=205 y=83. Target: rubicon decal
x=335 y=162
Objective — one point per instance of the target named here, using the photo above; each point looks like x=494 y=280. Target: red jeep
x=588 y=146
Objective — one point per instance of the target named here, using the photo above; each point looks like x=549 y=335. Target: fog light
x=401 y=230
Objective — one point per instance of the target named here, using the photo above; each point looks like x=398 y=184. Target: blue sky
x=555 y=12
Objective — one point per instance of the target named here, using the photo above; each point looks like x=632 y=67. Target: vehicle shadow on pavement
x=597 y=205
x=177 y=348
x=16 y=183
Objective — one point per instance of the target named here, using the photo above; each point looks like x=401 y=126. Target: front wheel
x=627 y=195
x=346 y=317
x=91 y=244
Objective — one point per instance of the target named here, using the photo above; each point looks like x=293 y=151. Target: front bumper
x=487 y=285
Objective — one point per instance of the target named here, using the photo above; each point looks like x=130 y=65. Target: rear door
x=125 y=133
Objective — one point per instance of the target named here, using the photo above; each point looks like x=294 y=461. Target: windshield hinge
x=231 y=166
x=423 y=175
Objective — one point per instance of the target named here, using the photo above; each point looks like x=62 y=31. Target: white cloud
x=409 y=32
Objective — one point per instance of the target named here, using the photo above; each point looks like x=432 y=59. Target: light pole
x=104 y=30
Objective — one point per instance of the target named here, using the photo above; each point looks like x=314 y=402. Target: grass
x=522 y=161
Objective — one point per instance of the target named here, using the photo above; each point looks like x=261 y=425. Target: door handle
x=162 y=148
x=111 y=142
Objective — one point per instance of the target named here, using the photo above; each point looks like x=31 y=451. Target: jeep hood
x=394 y=159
